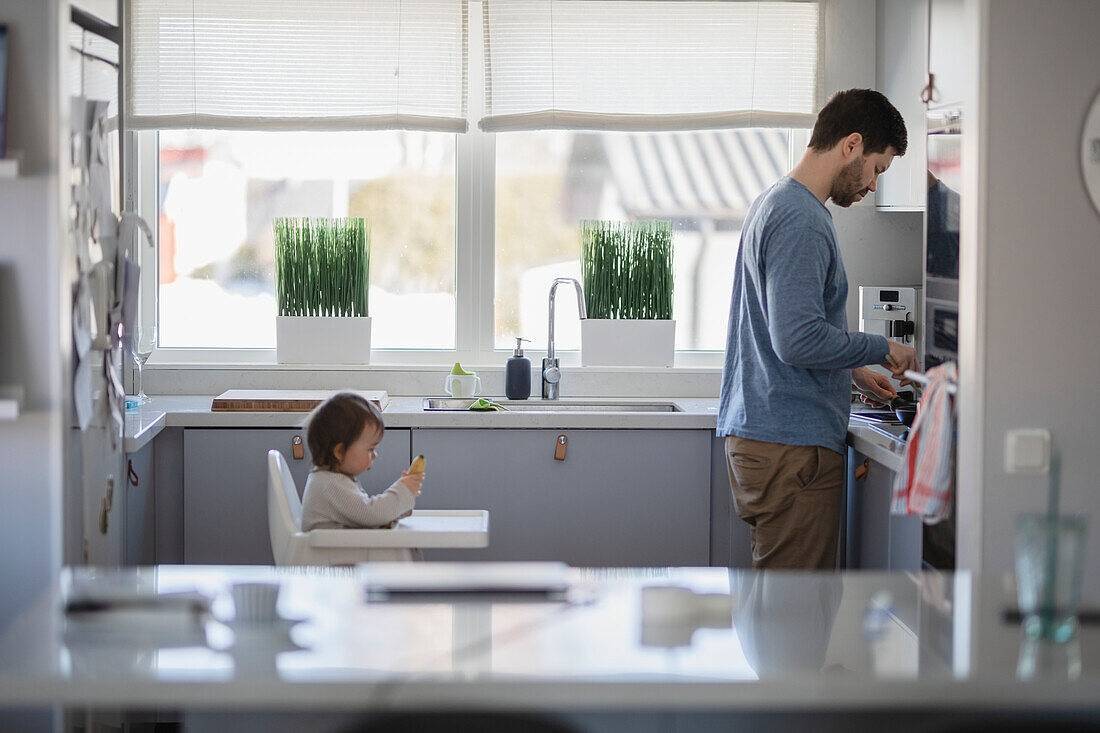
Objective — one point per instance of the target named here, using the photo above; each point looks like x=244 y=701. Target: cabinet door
x=103 y=486
x=140 y=539
x=950 y=57
x=884 y=541
x=901 y=67
x=730 y=543
x=225 y=488
x=619 y=497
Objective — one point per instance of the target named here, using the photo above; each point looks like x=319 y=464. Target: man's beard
x=846 y=186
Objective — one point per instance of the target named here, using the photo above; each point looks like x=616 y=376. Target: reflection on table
x=837 y=640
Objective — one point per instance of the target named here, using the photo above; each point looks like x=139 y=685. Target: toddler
x=343 y=433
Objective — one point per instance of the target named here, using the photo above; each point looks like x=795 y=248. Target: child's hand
x=414 y=482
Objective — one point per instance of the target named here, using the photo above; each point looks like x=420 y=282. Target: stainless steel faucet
x=551 y=373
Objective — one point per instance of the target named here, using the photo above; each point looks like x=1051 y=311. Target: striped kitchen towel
x=926 y=480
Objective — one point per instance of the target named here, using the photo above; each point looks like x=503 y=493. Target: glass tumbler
x=1050 y=560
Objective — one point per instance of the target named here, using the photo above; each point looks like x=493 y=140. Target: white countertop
x=875 y=445
x=843 y=641
x=406 y=412
x=193 y=411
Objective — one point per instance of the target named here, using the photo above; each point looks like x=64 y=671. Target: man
x=790 y=360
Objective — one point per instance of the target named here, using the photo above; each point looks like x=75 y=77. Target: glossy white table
x=839 y=642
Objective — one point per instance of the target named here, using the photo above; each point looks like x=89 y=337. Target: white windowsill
x=196 y=372
x=413 y=360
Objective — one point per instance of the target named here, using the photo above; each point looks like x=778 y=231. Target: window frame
x=475 y=196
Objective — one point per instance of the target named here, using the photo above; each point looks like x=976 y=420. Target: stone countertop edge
x=876 y=446
x=141 y=427
x=193 y=411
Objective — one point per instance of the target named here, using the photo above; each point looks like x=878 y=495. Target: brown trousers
x=790 y=495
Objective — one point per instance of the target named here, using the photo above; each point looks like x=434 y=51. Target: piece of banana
x=417 y=465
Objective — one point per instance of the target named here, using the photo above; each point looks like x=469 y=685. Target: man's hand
x=873 y=386
x=899 y=358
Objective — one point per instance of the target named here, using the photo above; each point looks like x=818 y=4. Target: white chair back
x=291 y=546
x=284 y=508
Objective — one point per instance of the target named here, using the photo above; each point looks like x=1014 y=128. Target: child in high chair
x=343 y=433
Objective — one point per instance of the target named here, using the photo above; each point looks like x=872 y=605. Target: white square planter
x=620 y=342
x=322 y=340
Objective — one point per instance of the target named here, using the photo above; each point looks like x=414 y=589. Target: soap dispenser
x=517 y=374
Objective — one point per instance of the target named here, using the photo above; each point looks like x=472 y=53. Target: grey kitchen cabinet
x=901 y=71
x=225 y=488
x=619 y=497
x=139 y=543
x=729 y=544
x=101 y=493
x=168 y=495
x=875 y=538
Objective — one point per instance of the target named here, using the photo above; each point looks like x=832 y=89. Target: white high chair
x=423 y=529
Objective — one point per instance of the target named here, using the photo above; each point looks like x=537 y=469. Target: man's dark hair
x=339 y=419
x=864 y=111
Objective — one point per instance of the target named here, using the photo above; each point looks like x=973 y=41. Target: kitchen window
x=219 y=191
x=701 y=180
x=474 y=214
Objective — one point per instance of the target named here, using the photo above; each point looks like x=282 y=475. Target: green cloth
x=483 y=405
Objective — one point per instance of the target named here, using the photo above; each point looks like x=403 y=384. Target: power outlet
x=1027 y=450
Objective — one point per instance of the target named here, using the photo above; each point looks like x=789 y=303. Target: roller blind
x=296 y=64
x=651 y=64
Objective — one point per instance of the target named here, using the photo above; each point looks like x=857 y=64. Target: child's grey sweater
x=334 y=501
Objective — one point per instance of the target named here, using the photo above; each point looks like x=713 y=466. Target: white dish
x=264 y=628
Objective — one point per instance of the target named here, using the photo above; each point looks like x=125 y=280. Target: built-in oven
x=941 y=282
x=941 y=230
x=941 y=340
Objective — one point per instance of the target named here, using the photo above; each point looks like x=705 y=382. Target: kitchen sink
x=458 y=404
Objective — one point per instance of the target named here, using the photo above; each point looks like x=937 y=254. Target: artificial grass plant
x=322 y=266
x=627 y=269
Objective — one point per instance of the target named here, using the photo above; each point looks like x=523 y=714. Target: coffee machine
x=894 y=312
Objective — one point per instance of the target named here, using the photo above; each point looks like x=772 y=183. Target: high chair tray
x=425 y=528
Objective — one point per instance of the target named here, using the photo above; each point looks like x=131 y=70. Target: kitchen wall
x=1030 y=267
x=33 y=337
x=34 y=341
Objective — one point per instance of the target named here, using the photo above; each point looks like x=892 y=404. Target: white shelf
x=9 y=167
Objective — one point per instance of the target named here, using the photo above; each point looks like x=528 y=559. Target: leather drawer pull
x=559 y=448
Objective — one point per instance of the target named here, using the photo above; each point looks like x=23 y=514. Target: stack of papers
x=134 y=609
x=384 y=580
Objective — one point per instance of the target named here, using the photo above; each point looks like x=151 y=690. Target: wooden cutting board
x=286 y=400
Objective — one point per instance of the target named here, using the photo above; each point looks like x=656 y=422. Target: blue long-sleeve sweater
x=789 y=354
